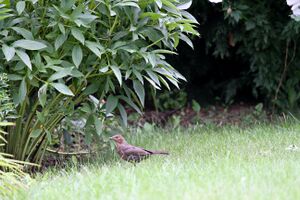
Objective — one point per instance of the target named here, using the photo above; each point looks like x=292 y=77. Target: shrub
x=60 y=54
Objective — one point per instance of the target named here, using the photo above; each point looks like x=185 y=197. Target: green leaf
x=196 y=106
x=184 y=6
x=164 y=82
x=24 y=32
x=177 y=75
x=117 y=73
x=62 y=28
x=153 y=76
x=94 y=47
x=139 y=76
x=25 y=58
x=173 y=81
x=42 y=94
x=77 y=55
x=123 y=4
x=14 y=77
x=111 y=104
x=9 y=52
x=130 y=102
x=187 y=40
x=123 y=114
x=159 y=3
x=78 y=35
x=22 y=92
x=87 y=18
x=34 y=1
x=60 y=40
x=189 y=16
x=20 y=7
x=40 y=116
x=98 y=125
x=48 y=134
x=62 y=88
x=91 y=89
x=36 y=133
x=169 y=4
x=164 y=51
x=127 y=74
x=29 y=44
x=139 y=90
x=152 y=82
x=60 y=74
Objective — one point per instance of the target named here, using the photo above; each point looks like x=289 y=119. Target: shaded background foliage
x=248 y=51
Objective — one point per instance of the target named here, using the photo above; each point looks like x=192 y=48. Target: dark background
x=240 y=55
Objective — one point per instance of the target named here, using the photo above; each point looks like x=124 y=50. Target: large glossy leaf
x=173 y=81
x=42 y=94
x=60 y=40
x=62 y=28
x=152 y=82
x=123 y=114
x=29 y=44
x=111 y=104
x=62 y=88
x=169 y=4
x=98 y=125
x=189 y=16
x=127 y=3
x=94 y=47
x=9 y=52
x=186 y=40
x=36 y=133
x=139 y=76
x=22 y=92
x=117 y=73
x=60 y=74
x=25 y=58
x=77 y=55
x=20 y=7
x=159 y=3
x=78 y=35
x=185 y=6
x=139 y=90
x=153 y=76
x=24 y=32
x=131 y=103
x=164 y=82
x=48 y=135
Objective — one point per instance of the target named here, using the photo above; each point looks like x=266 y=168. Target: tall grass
x=262 y=162
x=12 y=176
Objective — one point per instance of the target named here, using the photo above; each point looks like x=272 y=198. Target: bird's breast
x=120 y=151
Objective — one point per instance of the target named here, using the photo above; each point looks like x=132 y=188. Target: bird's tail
x=160 y=152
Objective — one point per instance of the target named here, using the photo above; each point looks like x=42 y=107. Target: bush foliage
x=64 y=58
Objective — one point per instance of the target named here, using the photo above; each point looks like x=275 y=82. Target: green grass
x=205 y=163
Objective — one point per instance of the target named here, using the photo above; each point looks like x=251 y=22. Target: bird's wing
x=132 y=150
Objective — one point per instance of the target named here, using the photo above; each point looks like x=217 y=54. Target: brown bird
x=131 y=153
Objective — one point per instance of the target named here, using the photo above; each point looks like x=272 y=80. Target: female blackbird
x=131 y=153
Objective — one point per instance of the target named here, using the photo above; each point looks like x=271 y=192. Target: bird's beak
x=110 y=138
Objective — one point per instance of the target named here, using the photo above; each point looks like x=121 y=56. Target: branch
x=69 y=153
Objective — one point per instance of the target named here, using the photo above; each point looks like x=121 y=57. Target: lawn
x=204 y=163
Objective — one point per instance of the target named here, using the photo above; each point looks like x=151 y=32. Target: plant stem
x=157 y=41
